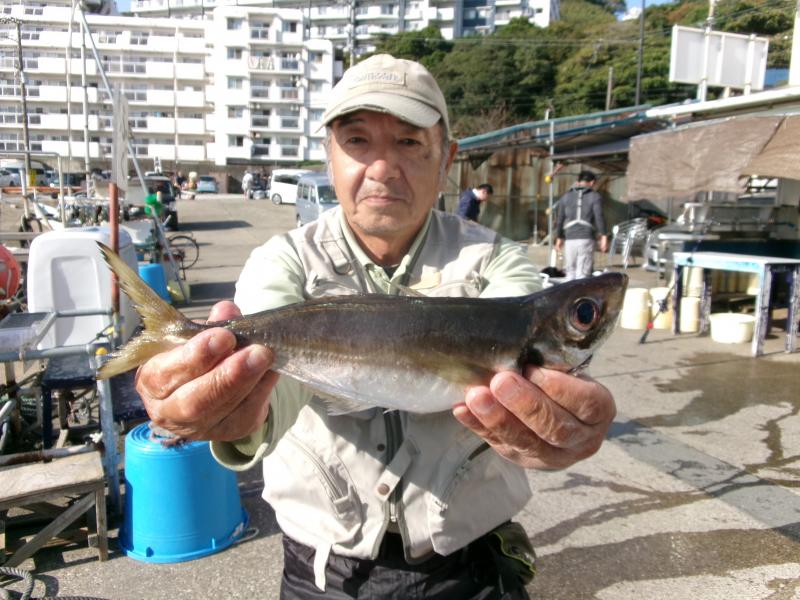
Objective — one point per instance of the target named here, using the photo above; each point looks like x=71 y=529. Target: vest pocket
x=481 y=491
x=329 y=498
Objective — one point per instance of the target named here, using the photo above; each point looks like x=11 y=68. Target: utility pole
x=640 y=59
x=702 y=89
x=25 y=137
x=610 y=89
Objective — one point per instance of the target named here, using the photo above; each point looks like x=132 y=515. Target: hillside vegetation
x=521 y=70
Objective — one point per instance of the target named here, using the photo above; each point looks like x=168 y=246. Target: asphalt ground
x=694 y=495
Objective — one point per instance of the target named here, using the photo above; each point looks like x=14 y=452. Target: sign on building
x=719 y=59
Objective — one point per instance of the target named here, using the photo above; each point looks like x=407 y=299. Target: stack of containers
x=635 y=309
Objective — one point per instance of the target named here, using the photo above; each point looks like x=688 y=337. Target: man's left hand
x=542 y=420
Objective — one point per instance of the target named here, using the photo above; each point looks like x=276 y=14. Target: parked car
x=283 y=185
x=135 y=196
x=72 y=180
x=315 y=195
x=6 y=179
x=206 y=184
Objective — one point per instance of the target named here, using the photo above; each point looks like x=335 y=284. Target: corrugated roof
x=571 y=134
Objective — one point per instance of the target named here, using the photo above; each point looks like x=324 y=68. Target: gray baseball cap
x=386 y=84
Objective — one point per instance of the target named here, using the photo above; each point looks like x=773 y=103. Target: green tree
x=516 y=73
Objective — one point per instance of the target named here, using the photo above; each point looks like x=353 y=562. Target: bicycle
x=185 y=250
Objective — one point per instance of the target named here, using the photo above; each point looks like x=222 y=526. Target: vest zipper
x=334 y=491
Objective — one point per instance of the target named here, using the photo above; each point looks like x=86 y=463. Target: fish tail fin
x=162 y=322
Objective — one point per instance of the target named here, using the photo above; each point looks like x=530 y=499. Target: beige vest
x=337 y=482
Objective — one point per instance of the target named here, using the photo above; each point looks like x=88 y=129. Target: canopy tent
x=703 y=157
x=781 y=156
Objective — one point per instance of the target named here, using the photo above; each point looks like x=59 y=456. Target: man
x=247 y=184
x=579 y=220
x=469 y=203
x=379 y=504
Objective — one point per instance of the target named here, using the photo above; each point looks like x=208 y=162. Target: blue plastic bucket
x=180 y=504
x=153 y=275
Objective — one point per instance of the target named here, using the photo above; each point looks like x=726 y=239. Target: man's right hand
x=207 y=390
x=559 y=243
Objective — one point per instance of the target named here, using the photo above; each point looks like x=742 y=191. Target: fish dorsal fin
x=405 y=290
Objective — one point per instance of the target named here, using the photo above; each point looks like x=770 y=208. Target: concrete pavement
x=694 y=495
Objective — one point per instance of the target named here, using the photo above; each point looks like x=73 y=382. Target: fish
x=412 y=353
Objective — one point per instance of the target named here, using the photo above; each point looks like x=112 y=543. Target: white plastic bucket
x=635 y=309
x=663 y=320
x=732 y=328
x=690 y=315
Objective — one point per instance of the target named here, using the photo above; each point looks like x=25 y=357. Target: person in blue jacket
x=469 y=204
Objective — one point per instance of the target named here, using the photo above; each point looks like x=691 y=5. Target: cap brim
x=404 y=108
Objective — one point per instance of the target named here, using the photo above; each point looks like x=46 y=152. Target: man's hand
x=559 y=244
x=603 y=243
x=544 y=420
x=204 y=390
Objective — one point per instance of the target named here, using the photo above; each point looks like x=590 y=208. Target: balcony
x=260 y=122
x=259 y=92
x=290 y=65
x=290 y=123
x=289 y=93
x=260 y=150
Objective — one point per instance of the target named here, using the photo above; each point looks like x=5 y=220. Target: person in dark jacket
x=579 y=221
x=469 y=203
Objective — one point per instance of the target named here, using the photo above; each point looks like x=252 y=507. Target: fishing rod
x=663 y=303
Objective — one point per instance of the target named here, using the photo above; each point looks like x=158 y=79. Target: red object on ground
x=9 y=274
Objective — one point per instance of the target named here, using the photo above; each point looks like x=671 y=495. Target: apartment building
x=355 y=24
x=242 y=86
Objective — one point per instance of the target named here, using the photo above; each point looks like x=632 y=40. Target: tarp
x=709 y=156
x=781 y=156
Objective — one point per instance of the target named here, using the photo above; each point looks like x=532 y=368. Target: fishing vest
x=578 y=220
x=338 y=482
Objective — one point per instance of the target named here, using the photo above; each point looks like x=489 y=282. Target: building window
x=388 y=9
x=139 y=38
x=290 y=26
x=235 y=112
x=316 y=57
x=234 y=24
x=235 y=83
x=236 y=141
x=234 y=53
x=316 y=114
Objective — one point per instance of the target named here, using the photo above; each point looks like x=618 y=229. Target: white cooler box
x=65 y=272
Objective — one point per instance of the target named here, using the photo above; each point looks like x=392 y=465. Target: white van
x=16 y=168
x=315 y=195
x=283 y=185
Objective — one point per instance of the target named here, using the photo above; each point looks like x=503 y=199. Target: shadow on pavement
x=211 y=292
x=214 y=225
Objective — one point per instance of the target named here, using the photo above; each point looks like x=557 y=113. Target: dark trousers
x=467 y=574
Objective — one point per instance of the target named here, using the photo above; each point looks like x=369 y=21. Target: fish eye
x=584 y=314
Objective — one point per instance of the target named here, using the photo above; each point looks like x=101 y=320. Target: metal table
x=94 y=352
x=766 y=267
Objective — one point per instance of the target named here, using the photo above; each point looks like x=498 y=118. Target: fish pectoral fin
x=462 y=372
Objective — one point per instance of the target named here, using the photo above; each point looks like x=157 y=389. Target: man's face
x=482 y=194
x=387 y=173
